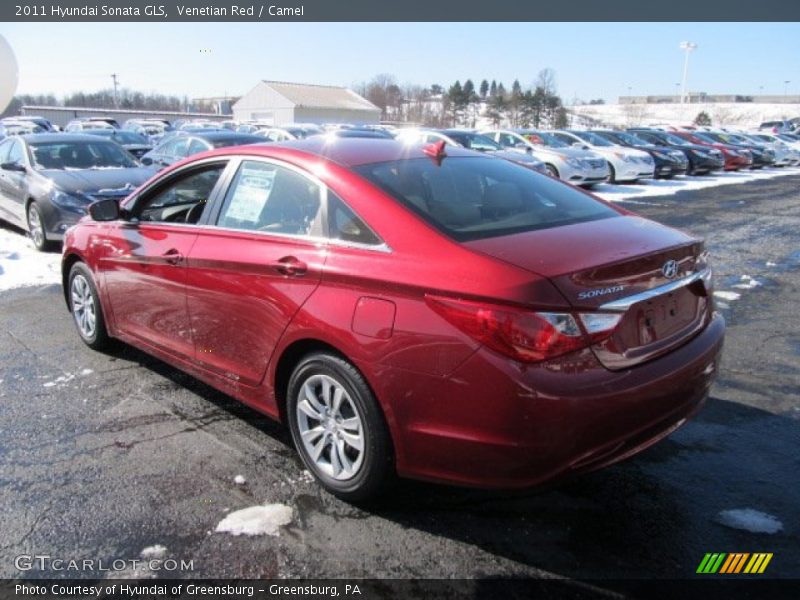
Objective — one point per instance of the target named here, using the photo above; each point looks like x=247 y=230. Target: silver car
x=575 y=165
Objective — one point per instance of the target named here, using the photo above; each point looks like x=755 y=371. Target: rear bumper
x=499 y=424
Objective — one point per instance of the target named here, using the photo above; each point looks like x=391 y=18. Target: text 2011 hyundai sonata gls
x=418 y=310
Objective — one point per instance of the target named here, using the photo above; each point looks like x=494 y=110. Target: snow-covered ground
x=750 y=520
x=745 y=115
x=264 y=519
x=21 y=265
x=668 y=187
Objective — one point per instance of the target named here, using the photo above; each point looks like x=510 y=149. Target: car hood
x=91 y=181
x=568 y=152
x=511 y=155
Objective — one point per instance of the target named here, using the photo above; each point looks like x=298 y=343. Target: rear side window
x=472 y=198
x=345 y=225
x=271 y=198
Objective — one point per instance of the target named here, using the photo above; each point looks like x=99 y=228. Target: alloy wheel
x=83 y=307
x=330 y=427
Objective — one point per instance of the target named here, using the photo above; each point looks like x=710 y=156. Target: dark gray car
x=47 y=181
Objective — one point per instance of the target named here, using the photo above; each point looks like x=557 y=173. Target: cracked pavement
x=125 y=452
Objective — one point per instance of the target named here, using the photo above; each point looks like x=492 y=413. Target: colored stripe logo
x=734 y=563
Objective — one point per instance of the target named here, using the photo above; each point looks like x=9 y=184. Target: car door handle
x=290 y=266
x=172 y=256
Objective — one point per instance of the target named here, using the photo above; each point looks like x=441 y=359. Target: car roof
x=216 y=135
x=348 y=152
x=61 y=137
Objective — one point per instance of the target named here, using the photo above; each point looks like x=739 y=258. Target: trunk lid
x=600 y=263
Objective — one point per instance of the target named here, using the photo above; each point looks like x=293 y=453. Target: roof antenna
x=436 y=151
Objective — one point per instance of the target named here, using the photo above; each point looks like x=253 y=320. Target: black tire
x=36 y=227
x=376 y=464
x=97 y=338
x=612 y=174
x=551 y=170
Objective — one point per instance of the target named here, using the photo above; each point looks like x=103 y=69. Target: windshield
x=705 y=137
x=470 y=198
x=547 y=139
x=675 y=140
x=592 y=138
x=80 y=155
x=474 y=141
x=632 y=139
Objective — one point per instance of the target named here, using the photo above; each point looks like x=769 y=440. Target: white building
x=278 y=103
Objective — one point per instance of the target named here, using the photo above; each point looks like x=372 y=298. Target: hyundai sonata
x=426 y=311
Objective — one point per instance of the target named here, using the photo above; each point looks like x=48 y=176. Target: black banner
x=400 y=589
x=405 y=10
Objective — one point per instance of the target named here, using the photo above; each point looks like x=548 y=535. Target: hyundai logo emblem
x=670 y=269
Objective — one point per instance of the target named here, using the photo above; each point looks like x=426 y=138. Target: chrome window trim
x=623 y=304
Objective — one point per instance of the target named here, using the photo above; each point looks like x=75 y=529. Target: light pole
x=686 y=47
x=116 y=83
x=786 y=88
x=678 y=91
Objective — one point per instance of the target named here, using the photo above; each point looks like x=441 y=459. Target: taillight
x=524 y=335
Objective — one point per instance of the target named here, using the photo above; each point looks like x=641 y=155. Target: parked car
x=186 y=143
x=132 y=142
x=785 y=155
x=82 y=124
x=289 y=132
x=668 y=162
x=358 y=132
x=153 y=129
x=760 y=154
x=472 y=141
x=782 y=126
x=702 y=159
x=573 y=165
x=375 y=297
x=48 y=180
x=624 y=164
x=735 y=157
x=10 y=127
x=41 y=122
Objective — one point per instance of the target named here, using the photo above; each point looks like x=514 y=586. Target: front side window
x=180 y=200
x=16 y=153
x=271 y=198
x=471 y=198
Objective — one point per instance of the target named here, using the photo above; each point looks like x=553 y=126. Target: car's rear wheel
x=84 y=303
x=338 y=427
x=36 y=227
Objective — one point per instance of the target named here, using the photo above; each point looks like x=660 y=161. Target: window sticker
x=251 y=194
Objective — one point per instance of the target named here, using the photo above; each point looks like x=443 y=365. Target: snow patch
x=750 y=520
x=771 y=264
x=239 y=480
x=729 y=296
x=66 y=378
x=155 y=551
x=668 y=187
x=85 y=372
x=256 y=520
x=747 y=283
x=22 y=265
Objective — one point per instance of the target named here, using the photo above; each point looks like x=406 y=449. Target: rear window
x=470 y=198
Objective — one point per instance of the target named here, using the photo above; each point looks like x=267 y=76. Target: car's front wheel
x=84 y=303
x=338 y=427
x=36 y=227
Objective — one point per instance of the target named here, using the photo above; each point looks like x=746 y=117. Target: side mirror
x=146 y=161
x=13 y=166
x=105 y=210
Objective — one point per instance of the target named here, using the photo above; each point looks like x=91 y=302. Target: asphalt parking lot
x=102 y=456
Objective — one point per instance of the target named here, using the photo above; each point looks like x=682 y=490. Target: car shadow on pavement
x=654 y=515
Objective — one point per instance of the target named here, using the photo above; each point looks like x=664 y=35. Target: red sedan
x=422 y=311
x=735 y=157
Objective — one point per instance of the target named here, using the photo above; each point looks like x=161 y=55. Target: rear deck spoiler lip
x=623 y=304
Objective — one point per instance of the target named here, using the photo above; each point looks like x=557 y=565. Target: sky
x=591 y=60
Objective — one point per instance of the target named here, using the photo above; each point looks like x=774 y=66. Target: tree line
x=464 y=104
x=125 y=99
